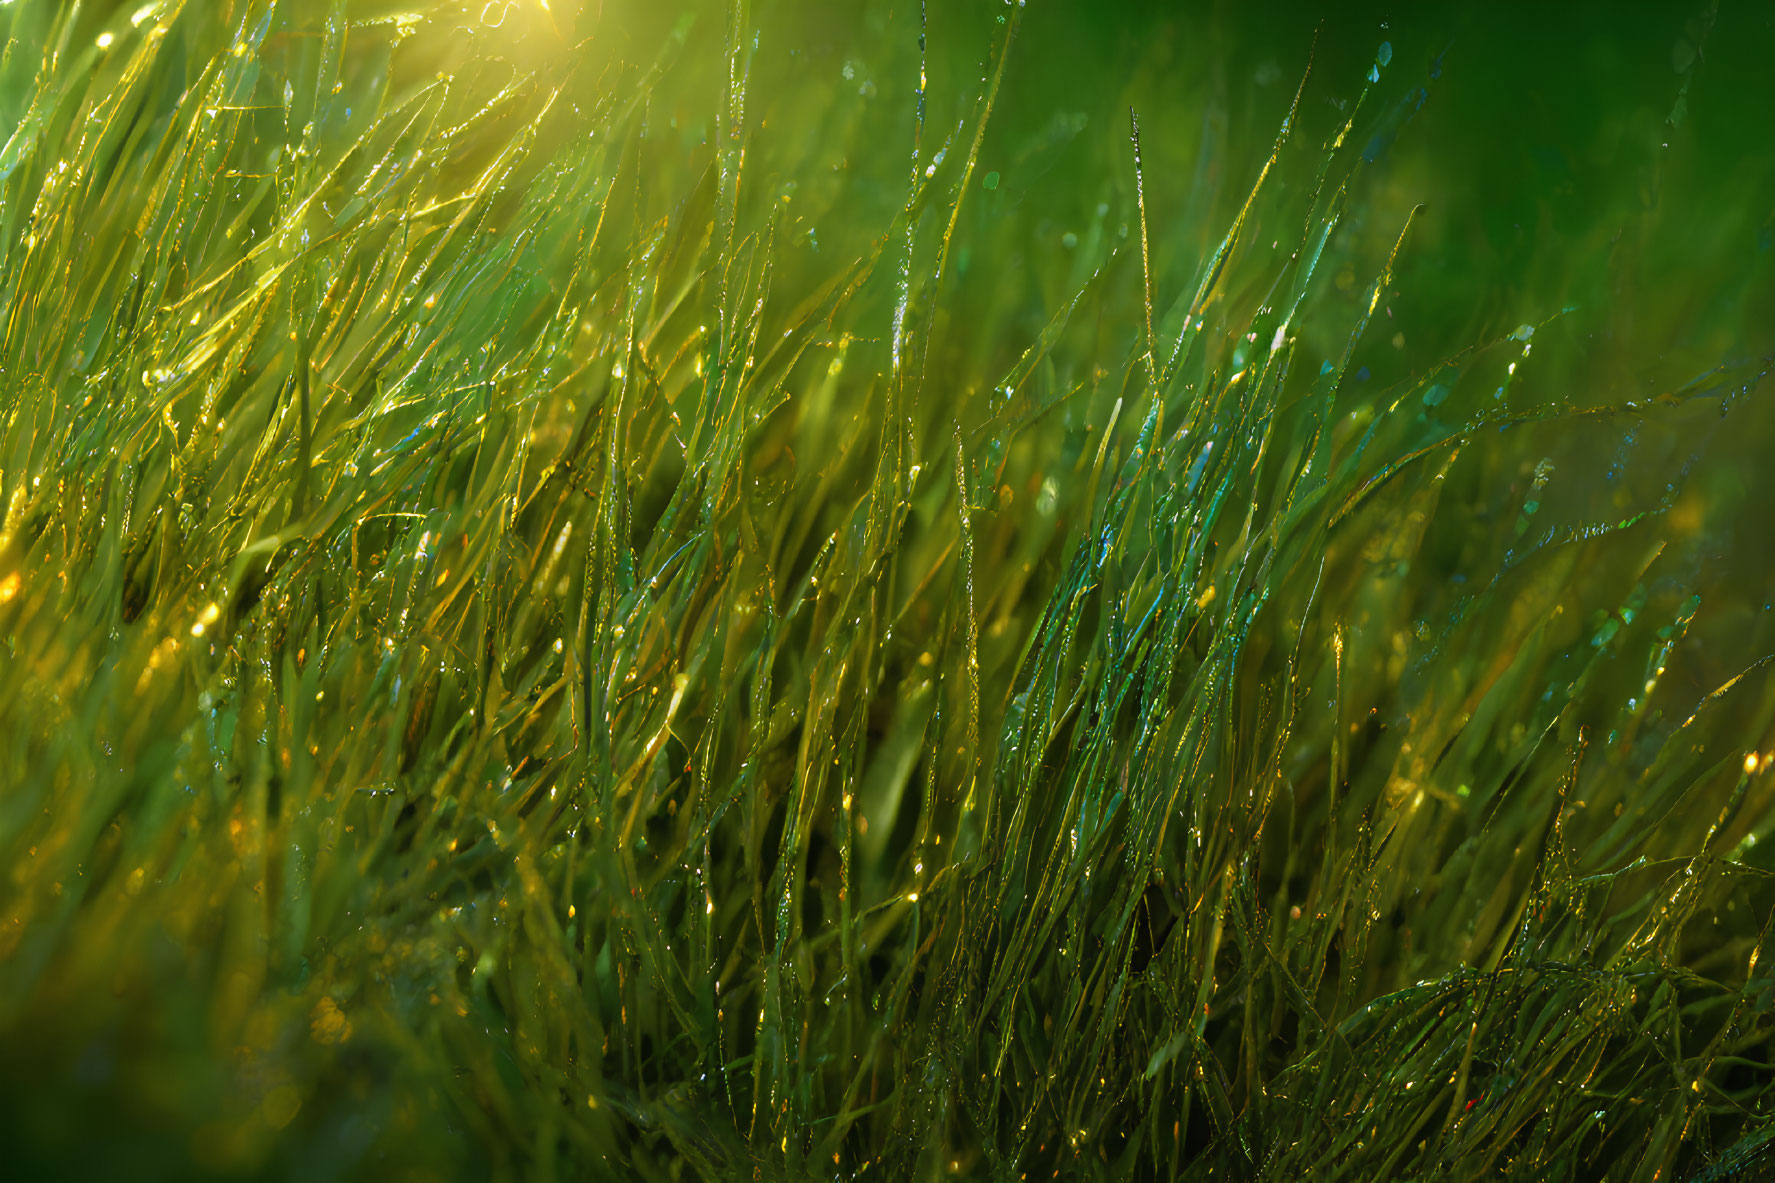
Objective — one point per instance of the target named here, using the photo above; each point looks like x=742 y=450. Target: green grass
x=633 y=595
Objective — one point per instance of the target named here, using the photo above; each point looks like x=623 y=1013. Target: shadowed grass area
x=598 y=591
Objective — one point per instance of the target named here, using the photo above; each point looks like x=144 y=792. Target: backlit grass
x=612 y=592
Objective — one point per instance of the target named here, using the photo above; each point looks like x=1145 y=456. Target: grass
x=601 y=594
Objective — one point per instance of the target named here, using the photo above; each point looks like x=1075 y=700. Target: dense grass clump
x=592 y=591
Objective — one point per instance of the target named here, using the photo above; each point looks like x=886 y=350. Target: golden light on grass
x=757 y=456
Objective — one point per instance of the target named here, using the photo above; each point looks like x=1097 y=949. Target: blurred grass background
x=599 y=590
